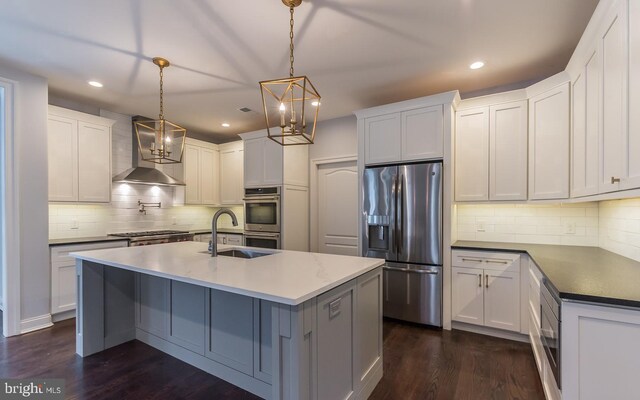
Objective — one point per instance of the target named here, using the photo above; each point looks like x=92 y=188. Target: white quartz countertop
x=288 y=277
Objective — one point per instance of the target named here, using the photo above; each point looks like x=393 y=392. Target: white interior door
x=337 y=200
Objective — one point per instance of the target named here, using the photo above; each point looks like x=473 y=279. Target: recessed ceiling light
x=316 y=103
x=477 y=65
x=95 y=84
x=226 y=125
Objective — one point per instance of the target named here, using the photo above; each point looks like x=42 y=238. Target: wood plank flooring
x=419 y=363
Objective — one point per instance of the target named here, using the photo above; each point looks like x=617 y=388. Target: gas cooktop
x=148 y=233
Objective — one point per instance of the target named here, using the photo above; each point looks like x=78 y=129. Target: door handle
x=479 y=280
x=413 y=271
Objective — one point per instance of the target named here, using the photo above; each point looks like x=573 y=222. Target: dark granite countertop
x=84 y=240
x=237 y=231
x=578 y=273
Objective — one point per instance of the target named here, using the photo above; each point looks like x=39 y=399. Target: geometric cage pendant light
x=291 y=105
x=160 y=141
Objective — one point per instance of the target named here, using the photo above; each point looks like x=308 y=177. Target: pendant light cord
x=291 y=46
x=161 y=94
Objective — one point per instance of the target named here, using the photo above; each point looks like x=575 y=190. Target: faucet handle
x=210 y=245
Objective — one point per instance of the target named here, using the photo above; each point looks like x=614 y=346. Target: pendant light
x=292 y=103
x=160 y=141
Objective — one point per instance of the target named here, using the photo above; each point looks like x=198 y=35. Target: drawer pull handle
x=486 y=280
x=497 y=262
x=472 y=259
x=479 y=280
x=615 y=180
x=334 y=308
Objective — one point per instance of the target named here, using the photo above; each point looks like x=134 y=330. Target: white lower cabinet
x=486 y=289
x=63 y=273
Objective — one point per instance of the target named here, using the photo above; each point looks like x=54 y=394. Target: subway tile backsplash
x=620 y=227
x=562 y=224
x=121 y=215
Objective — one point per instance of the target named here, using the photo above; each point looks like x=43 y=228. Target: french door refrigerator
x=402 y=223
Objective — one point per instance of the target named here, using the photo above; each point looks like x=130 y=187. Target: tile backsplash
x=562 y=224
x=620 y=227
x=82 y=220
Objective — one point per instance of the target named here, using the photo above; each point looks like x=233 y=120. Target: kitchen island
x=285 y=325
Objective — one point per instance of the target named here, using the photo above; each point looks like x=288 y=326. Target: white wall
x=121 y=215
x=31 y=161
x=526 y=223
x=335 y=138
x=620 y=227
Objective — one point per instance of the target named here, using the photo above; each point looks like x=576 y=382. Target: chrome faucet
x=214 y=228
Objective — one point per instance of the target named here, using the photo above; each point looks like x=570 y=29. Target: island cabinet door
x=153 y=304
x=262 y=350
x=230 y=330
x=187 y=316
x=335 y=338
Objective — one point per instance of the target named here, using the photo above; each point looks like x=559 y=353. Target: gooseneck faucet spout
x=214 y=228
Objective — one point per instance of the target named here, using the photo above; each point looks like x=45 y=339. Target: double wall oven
x=262 y=217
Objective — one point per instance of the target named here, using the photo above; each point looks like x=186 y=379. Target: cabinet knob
x=614 y=180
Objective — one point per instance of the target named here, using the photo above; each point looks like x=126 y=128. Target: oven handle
x=261 y=198
x=262 y=235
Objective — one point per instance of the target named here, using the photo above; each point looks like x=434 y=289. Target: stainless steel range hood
x=144 y=173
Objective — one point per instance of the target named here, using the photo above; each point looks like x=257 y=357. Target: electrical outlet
x=480 y=227
x=570 y=228
x=173 y=221
x=75 y=224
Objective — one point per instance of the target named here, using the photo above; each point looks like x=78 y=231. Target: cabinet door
x=192 y=174
x=613 y=41
x=467 y=295
x=236 y=240
x=94 y=163
x=502 y=300
x=230 y=330
x=422 y=134
x=231 y=176
x=472 y=155
x=62 y=152
x=631 y=175
x=63 y=287
x=209 y=174
x=262 y=162
x=187 y=316
x=549 y=144
x=153 y=304
x=508 y=151
x=383 y=139
x=585 y=155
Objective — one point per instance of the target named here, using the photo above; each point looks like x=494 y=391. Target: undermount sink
x=242 y=253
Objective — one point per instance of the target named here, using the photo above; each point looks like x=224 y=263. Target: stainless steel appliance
x=402 y=223
x=263 y=240
x=262 y=209
x=154 y=237
x=550 y=326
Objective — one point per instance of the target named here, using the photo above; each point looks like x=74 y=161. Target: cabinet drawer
x=60 y=254
x=486 y=260
x=536 y=343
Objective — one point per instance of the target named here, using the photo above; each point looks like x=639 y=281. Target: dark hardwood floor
x=419 y=363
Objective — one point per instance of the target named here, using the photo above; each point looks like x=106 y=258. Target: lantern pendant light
x=292 y=103
x=160 y=141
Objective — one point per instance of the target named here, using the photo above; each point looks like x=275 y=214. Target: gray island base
x=328 y=347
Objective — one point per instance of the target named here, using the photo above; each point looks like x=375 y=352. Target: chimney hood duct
x=144 y=173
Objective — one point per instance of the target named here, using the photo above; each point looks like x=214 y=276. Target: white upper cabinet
x=266 y=163
x=549 y=144
x=191 y=159
x=411 y=135
x=422 y=134
x=631 y=156
x=585 y=143
x=79 y=156
x=231 y=173
x=613 y=43
x=383 y=139
x=262 y=162
x=508 y=151
x=209 y=176
x=200 y=172
x=472 y=155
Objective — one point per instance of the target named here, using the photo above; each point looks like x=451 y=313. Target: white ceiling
x=358 y=53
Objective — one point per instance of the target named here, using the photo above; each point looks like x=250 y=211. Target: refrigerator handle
x=394 y=190
x=400 y=220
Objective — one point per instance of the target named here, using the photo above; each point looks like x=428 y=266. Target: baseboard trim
x=35 y=323
x=63 y=315
x=483 y=330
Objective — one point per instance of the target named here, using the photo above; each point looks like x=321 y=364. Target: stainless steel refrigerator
x=402 y=223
